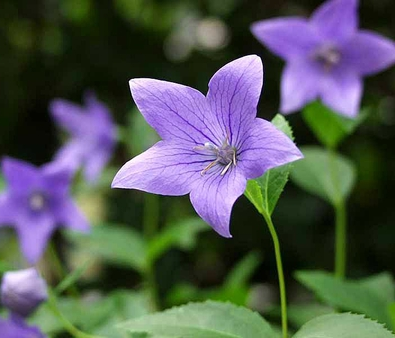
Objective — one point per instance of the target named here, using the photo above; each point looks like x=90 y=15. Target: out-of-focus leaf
x=2 y=183
x=391 y=309
x=182 y=235
x=346 y=295
x=93 y=314
x=329 y=127
x=300 y=314
x=202 y=320
x=116 y=244
x=243 y=270
x=328 y=175
x=382 y=285
x=344 y=325
x=264 y=192
x=72 y=278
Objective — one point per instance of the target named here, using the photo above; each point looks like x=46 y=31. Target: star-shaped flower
x=93 y=135
x=211 y=144
x=326 y=56
x=36 y=202
x=16 y=327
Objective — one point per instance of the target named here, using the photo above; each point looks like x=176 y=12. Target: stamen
x=223 y=172
x=212 y=164
x=37 y=201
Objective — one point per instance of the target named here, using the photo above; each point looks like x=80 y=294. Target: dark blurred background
x=60 y=48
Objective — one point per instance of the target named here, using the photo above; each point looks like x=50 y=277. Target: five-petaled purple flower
x=23 y=291
x=211 y=144
x=326 y=56
x=16 y=327
x=36 y=202
x=93 y=135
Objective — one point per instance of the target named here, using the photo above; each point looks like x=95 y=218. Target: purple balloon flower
x=36 y=202
x=93 y=135
x=23 y=291
x=15 y=327
x=211 y=144
x=326 y=56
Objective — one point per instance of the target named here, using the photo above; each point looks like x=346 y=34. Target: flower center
x=328 y=56
x=225 y=155
x=37 y=201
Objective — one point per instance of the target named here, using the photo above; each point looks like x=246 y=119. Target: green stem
x=280 y=272
x=150 y=227
x=69 y=327
x=341 y=240
x=340 y=219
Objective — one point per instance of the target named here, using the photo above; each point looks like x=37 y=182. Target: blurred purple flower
x=36 y=202
x=23 y=291
x=326 y=56
x=16 y=327
x=93 y=135
x=211 y=144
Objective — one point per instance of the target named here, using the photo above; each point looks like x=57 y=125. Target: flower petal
x=20 y=175
x=341 y=91
x=214 y=198
x=336 y=19
x=299 y=85
x=167 y=168
x=95 y=163
x=69 y=215
x=369 y=53
x=289 y=38
x=264 y=148
x=34 y=232
x=233 y=95
x=175 y=111
x=70 y=116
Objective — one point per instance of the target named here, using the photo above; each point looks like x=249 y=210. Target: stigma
x=328 y=56
x=37 y=201
x=225 y=155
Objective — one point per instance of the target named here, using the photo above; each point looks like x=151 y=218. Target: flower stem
x=150 y=227
x=280 y=272
x=340 y=219
x=69 y=327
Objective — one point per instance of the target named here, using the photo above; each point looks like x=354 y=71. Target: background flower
x=211 y=145
x=36 y=202
x=326 y=56
x=15 y=327
x=93 y=135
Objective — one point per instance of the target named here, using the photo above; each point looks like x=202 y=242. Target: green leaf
x=345 y=294
x=344 y=325
x=391 y=309
x=382 y=285
x=329 y=127
x=202 y=320
x=323 y=173
x=72 y=278
x=182 y=235
x=118 y=245
x=243 y=270
x=265 y=191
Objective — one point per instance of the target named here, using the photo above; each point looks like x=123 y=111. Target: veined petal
x=20 y=175
x=341 y=90
x=167 y=168
x=289 y=38
x=175 y=111
x=265 y=147
x=299 y=85
x=233 y=95
x=369 y=53
x=34 y=232
x=70 y=116
x=213 y=199
x=336 y=19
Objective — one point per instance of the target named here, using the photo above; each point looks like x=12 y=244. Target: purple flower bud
x=15 y=327
x=22 y=291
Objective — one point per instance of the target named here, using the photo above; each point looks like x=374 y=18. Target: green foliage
x=265 y=191
x=72 y=278
x=234 y=289
x=356 y=296
x=391 y=310
x=182 y=235
x=115 y=244
x=329 y=127
x=202 y=320
x=324 y=173
x=93 y=313
x=345 y=325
